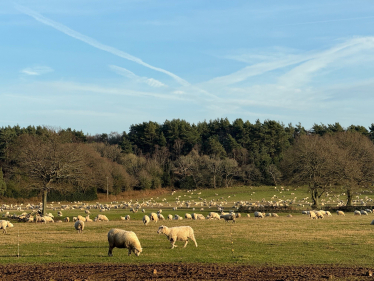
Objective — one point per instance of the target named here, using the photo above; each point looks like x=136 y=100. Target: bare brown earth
x=167 y=271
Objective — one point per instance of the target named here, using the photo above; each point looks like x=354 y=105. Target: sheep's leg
x=172 y=241
x=110 y=251
x=129 y=252
x=185 y=244
x=193 y=239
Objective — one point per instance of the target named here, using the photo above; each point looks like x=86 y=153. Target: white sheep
x=357 y=213
x=179 y=233
x=153 y=217
x=274 y=215
x=319 y=214
x=188 y=216
x=312 y=215
x=248 y=215
x=214 y=215
x=258 y=214
x=119 y=238
x=79 y=226
x=67 y=219
x=101 y=218
x=146 y=220
x=81 y=218
x=170 y=217
x=363 y=212
x=178 y=217
x=228 y=217
x=48 y=219
x=88 y=219
x=4 y=224
x=340 y=213
x=160 y=217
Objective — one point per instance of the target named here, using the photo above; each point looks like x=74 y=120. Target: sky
x=102 y=66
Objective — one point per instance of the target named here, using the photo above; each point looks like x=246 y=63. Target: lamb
x=79 y=226
x=179 y=233
x=228 y=217
x=4 y=224
x=119 y=238
x=153 y=217
x=146 y=220
x=340 y=213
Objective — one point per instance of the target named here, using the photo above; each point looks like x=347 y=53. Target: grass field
x=270 y=241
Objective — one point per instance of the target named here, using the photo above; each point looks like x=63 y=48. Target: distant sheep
x=81 y=218
x=170 y=217
x=228 y=217
x=153 y=217
x=357 y=213
x=179 y=233
x=67 y=219
x=101 y=218
x=146 y=220
x=214 y=215
x=340 y=213
x=79 y=226
x=274 y=215
x=188 y=216
x=319 y=215
x=4 y=224
x=312 y=215
x=178 y=218
x=258 y=214
x=363 y=212
x=160 y=217
x=119 y=238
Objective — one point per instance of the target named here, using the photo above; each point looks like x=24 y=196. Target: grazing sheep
x=228 y=217
x=179 y=233
x=340 y=213
x=259 y=215
x=161 y=217
x=75 y=219
x=274 y=215
x=101 y=218
x=319 y=215
x=238 y=215
x=248 y=215
x=146 y=220
x=170 y=217
x=59 y=214
x=327 y=213
x=188 y=216
x=79 y=226
x=4 y=224
x=81 y=218
x=363 y=212
x=127 y=217
x=88 y=218
x=312 y=215
x=178 y=217
x=122 y=218
x=153 y=217
x=289 y=216
x=372 y=222
x=357 y=213
x=48 y=219
x=119 y=238
x=214 y=215
x=67 y=219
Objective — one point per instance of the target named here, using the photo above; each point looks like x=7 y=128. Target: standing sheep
x=179 y=233
x=153 y=217
x=119 y=238
x=146 y=220
x=170 y=217
x=160 y=217
x=4 y=224
x=188 y=216
x=340 y=213
x=79 y=226
x=228 y=217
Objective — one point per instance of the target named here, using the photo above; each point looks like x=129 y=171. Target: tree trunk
x=45 y=192
x=315 y=198
x=349 y=197
x=214 y=181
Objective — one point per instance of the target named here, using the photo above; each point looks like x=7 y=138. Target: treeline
x=72 y=165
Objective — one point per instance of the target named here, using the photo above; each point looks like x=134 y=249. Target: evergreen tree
x=2 y=183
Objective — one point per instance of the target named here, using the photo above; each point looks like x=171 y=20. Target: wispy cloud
x=36 y=70
x=96 y=44
x=326 y=21
x=127 y=73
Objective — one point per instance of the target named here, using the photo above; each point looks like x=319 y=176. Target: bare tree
x=229 y=169
x=274 y=173
x=48 y=161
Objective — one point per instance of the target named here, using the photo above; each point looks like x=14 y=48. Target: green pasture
x=270 y=241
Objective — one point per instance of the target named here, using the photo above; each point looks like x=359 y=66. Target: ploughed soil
x=180 y=271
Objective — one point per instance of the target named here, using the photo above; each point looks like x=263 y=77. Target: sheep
x=75 y=219
x=4 y=224
x=289 y=216
x=153 y=217
x=312 y=215
x=228 y=217
x=248 y=215
x=170 y=217
x=319 y=215
x=179 y=233
x=146 y=220
x=48 y=219
x=340 y=213
x=259 y=215
x=328 y=213
x=178 y=217
x=188 y=216
x=122 y=218
x=372 y=222
x=119 y=238
x=161 y=217
x=67 y=219
x=81 y=218
x=127 y=217
x=59 y=214
x=101 y=218
x=274 y=215
x=79 y=226
x=238 y=215
x=363 y=212
x=88 y=218
x=214 y=215
x=357 y=213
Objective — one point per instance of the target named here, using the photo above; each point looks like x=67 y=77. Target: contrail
x=95 y=43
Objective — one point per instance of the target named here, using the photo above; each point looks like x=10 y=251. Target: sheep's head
x=161 y=229
x=137 y=252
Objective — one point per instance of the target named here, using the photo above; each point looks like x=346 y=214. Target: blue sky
x=100 y=66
